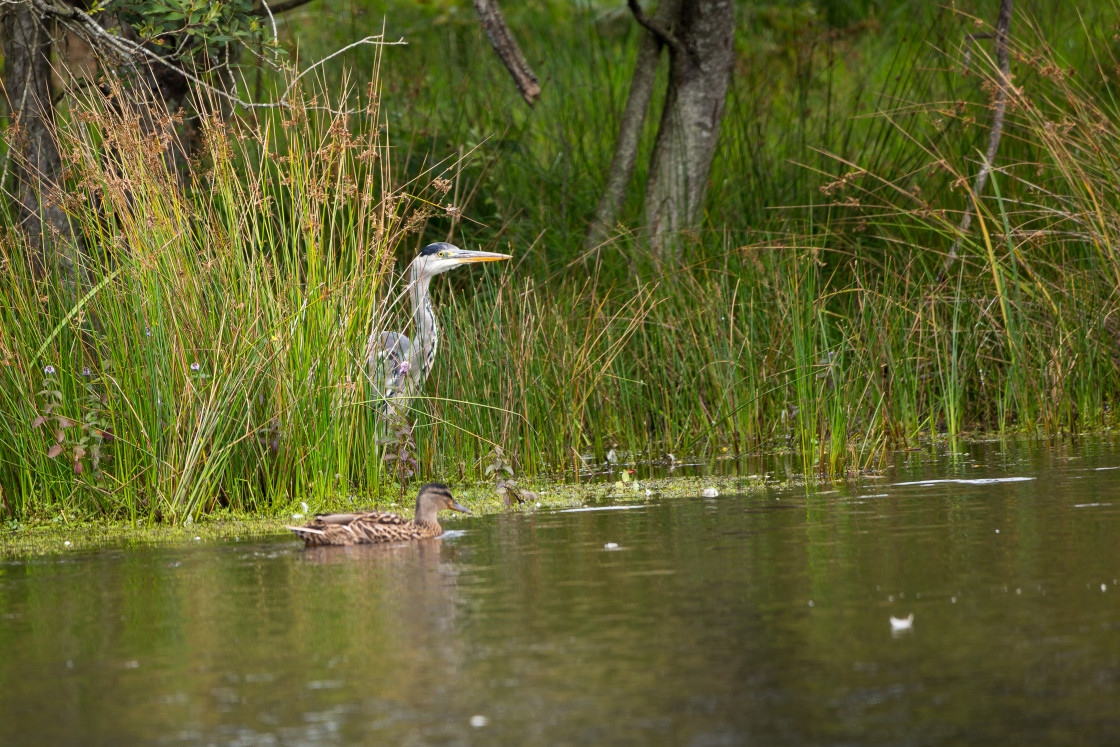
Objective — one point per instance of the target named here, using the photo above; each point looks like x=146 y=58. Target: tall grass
x=213 y=354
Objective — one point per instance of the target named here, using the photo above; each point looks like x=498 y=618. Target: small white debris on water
x=538 y=504
x=953 y=600
x=710 y=493
x=197 y=538
x=810 y=602
x=479 y=721
x=997 y=531
x=1104 y=587
x=67 y=543
x=610 y=546
x=612 y=457
x=902 y=623
x=1018 y=591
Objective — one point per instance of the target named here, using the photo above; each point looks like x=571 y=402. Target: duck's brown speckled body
x=382 y=526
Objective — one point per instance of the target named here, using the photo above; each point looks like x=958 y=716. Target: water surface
x=760 y=618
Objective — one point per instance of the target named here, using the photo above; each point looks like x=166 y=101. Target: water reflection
x=764 y=618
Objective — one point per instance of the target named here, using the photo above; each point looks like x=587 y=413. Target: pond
x=762 y=618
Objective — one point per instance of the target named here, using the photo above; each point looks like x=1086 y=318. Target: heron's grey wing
x=395 y=347
x=387 y=357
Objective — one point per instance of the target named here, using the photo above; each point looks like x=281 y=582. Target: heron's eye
x=442 y=254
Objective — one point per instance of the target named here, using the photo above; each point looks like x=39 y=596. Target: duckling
x=382 y=526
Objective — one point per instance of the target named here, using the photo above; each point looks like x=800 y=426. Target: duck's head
x=433 y=498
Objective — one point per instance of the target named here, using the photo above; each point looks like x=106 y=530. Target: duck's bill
x=467 y=256
x=456 y=506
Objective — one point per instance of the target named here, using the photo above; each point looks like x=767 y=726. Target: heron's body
x=407 y=363
x=371 y=527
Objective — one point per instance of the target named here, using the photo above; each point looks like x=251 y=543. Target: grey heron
x=404 y=363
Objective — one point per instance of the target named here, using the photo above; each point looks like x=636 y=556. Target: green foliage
x=184 y=28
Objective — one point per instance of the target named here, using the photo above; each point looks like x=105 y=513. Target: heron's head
x=441 y=257
x=433 y=498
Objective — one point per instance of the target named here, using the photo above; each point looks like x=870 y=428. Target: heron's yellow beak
x=469 y=257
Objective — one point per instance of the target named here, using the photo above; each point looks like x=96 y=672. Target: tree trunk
x=32 y=151
x=630 y=126
x=699 y=73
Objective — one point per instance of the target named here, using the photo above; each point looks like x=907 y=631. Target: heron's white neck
x=426 y=330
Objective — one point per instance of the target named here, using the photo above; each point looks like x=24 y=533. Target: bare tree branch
x=272 y=19
x=656 y=27
x=999 y=110
x=507 y=49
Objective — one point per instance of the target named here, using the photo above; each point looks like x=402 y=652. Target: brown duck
x=382 y=526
